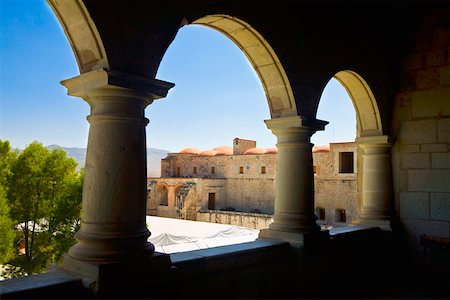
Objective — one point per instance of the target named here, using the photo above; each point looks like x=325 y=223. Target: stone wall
x=225 y=166
x=253 y=191
x=249 y=191
x=256 y=221
x=334 y=190
x=421 y=123
x=251 y=195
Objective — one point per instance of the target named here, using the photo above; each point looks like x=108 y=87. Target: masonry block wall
x=239 y=182
x=248 y=191
x=334 y=190
x=421 y=123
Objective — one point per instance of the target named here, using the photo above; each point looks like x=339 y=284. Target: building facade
x=236 y=185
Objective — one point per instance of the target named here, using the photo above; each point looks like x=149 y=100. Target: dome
x=324 y=148
x=224 y=150
x=191 y=151
x=254 y=151
x=272 y=150
x=208 y=153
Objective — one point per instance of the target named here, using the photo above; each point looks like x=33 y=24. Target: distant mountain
x=154 y=157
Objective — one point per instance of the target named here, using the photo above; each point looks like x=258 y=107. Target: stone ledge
x=58 y=284
x=229 y=257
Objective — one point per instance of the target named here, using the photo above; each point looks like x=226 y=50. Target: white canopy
x=174 y=235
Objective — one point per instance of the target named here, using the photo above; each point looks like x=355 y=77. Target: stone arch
x=375 y=197
x=163 y=194
x=263 y=59
x=82 y=34
x=368 y=119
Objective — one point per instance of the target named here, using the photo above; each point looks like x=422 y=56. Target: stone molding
x=98 y=82
x=294 y=122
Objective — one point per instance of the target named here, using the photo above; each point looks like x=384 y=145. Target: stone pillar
x=171 y=196
x=113 y=226
x=294 y=184
x=376 y=190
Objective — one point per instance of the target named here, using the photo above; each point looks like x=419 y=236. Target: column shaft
x=294 y=190
x=376 y=187
x=113 y=221
x=294 y=183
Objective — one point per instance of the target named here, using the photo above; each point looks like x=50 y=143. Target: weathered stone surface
x=418 y=132
x=252 y=191
x=414 y=205
x=416 y=161
x=429 y=180
x=433 y=148
x=440 y=161
x=431 y=103
x=444 y=131
x=440 y=206
x=426 y=79
x=415 y=228
x=410 y=148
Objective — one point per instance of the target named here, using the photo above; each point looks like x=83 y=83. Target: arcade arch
x=263 y=59
x=375 y=194
x=117 y=140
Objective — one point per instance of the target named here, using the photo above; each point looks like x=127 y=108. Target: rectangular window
x=241 y=170
x=263 y=170
x=213 y=170
x=340 y=216
x=345 y=162
x=315 y=169
x=178 y=171
x=211 y=201
x=195 y=170
x=320 y=211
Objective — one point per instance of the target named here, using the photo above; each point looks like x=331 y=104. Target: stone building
x=236 y=185
x=335 y=183
x=393 y=59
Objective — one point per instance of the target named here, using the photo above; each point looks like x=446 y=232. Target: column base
x=128 y=278
x=297 y=239
x=386 y=225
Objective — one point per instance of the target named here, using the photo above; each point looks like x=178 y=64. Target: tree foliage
x=44 y=198
x=7 y=233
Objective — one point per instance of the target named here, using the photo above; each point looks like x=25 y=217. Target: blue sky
x=217 y=96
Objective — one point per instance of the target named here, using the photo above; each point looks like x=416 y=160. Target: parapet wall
x=256 y=221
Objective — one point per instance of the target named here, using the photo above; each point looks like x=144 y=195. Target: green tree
x=44 y=196
x=65 y=219
x=7 y=231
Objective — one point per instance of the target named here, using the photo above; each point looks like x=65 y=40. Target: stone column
x=113 y=226
x=376 y=190
x=294 y=184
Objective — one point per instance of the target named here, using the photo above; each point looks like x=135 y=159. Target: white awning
x=174 y=235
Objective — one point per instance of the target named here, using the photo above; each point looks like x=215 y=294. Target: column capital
x=87 y=84
x=381 y=144
x=375 y=140
x=296 y=121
